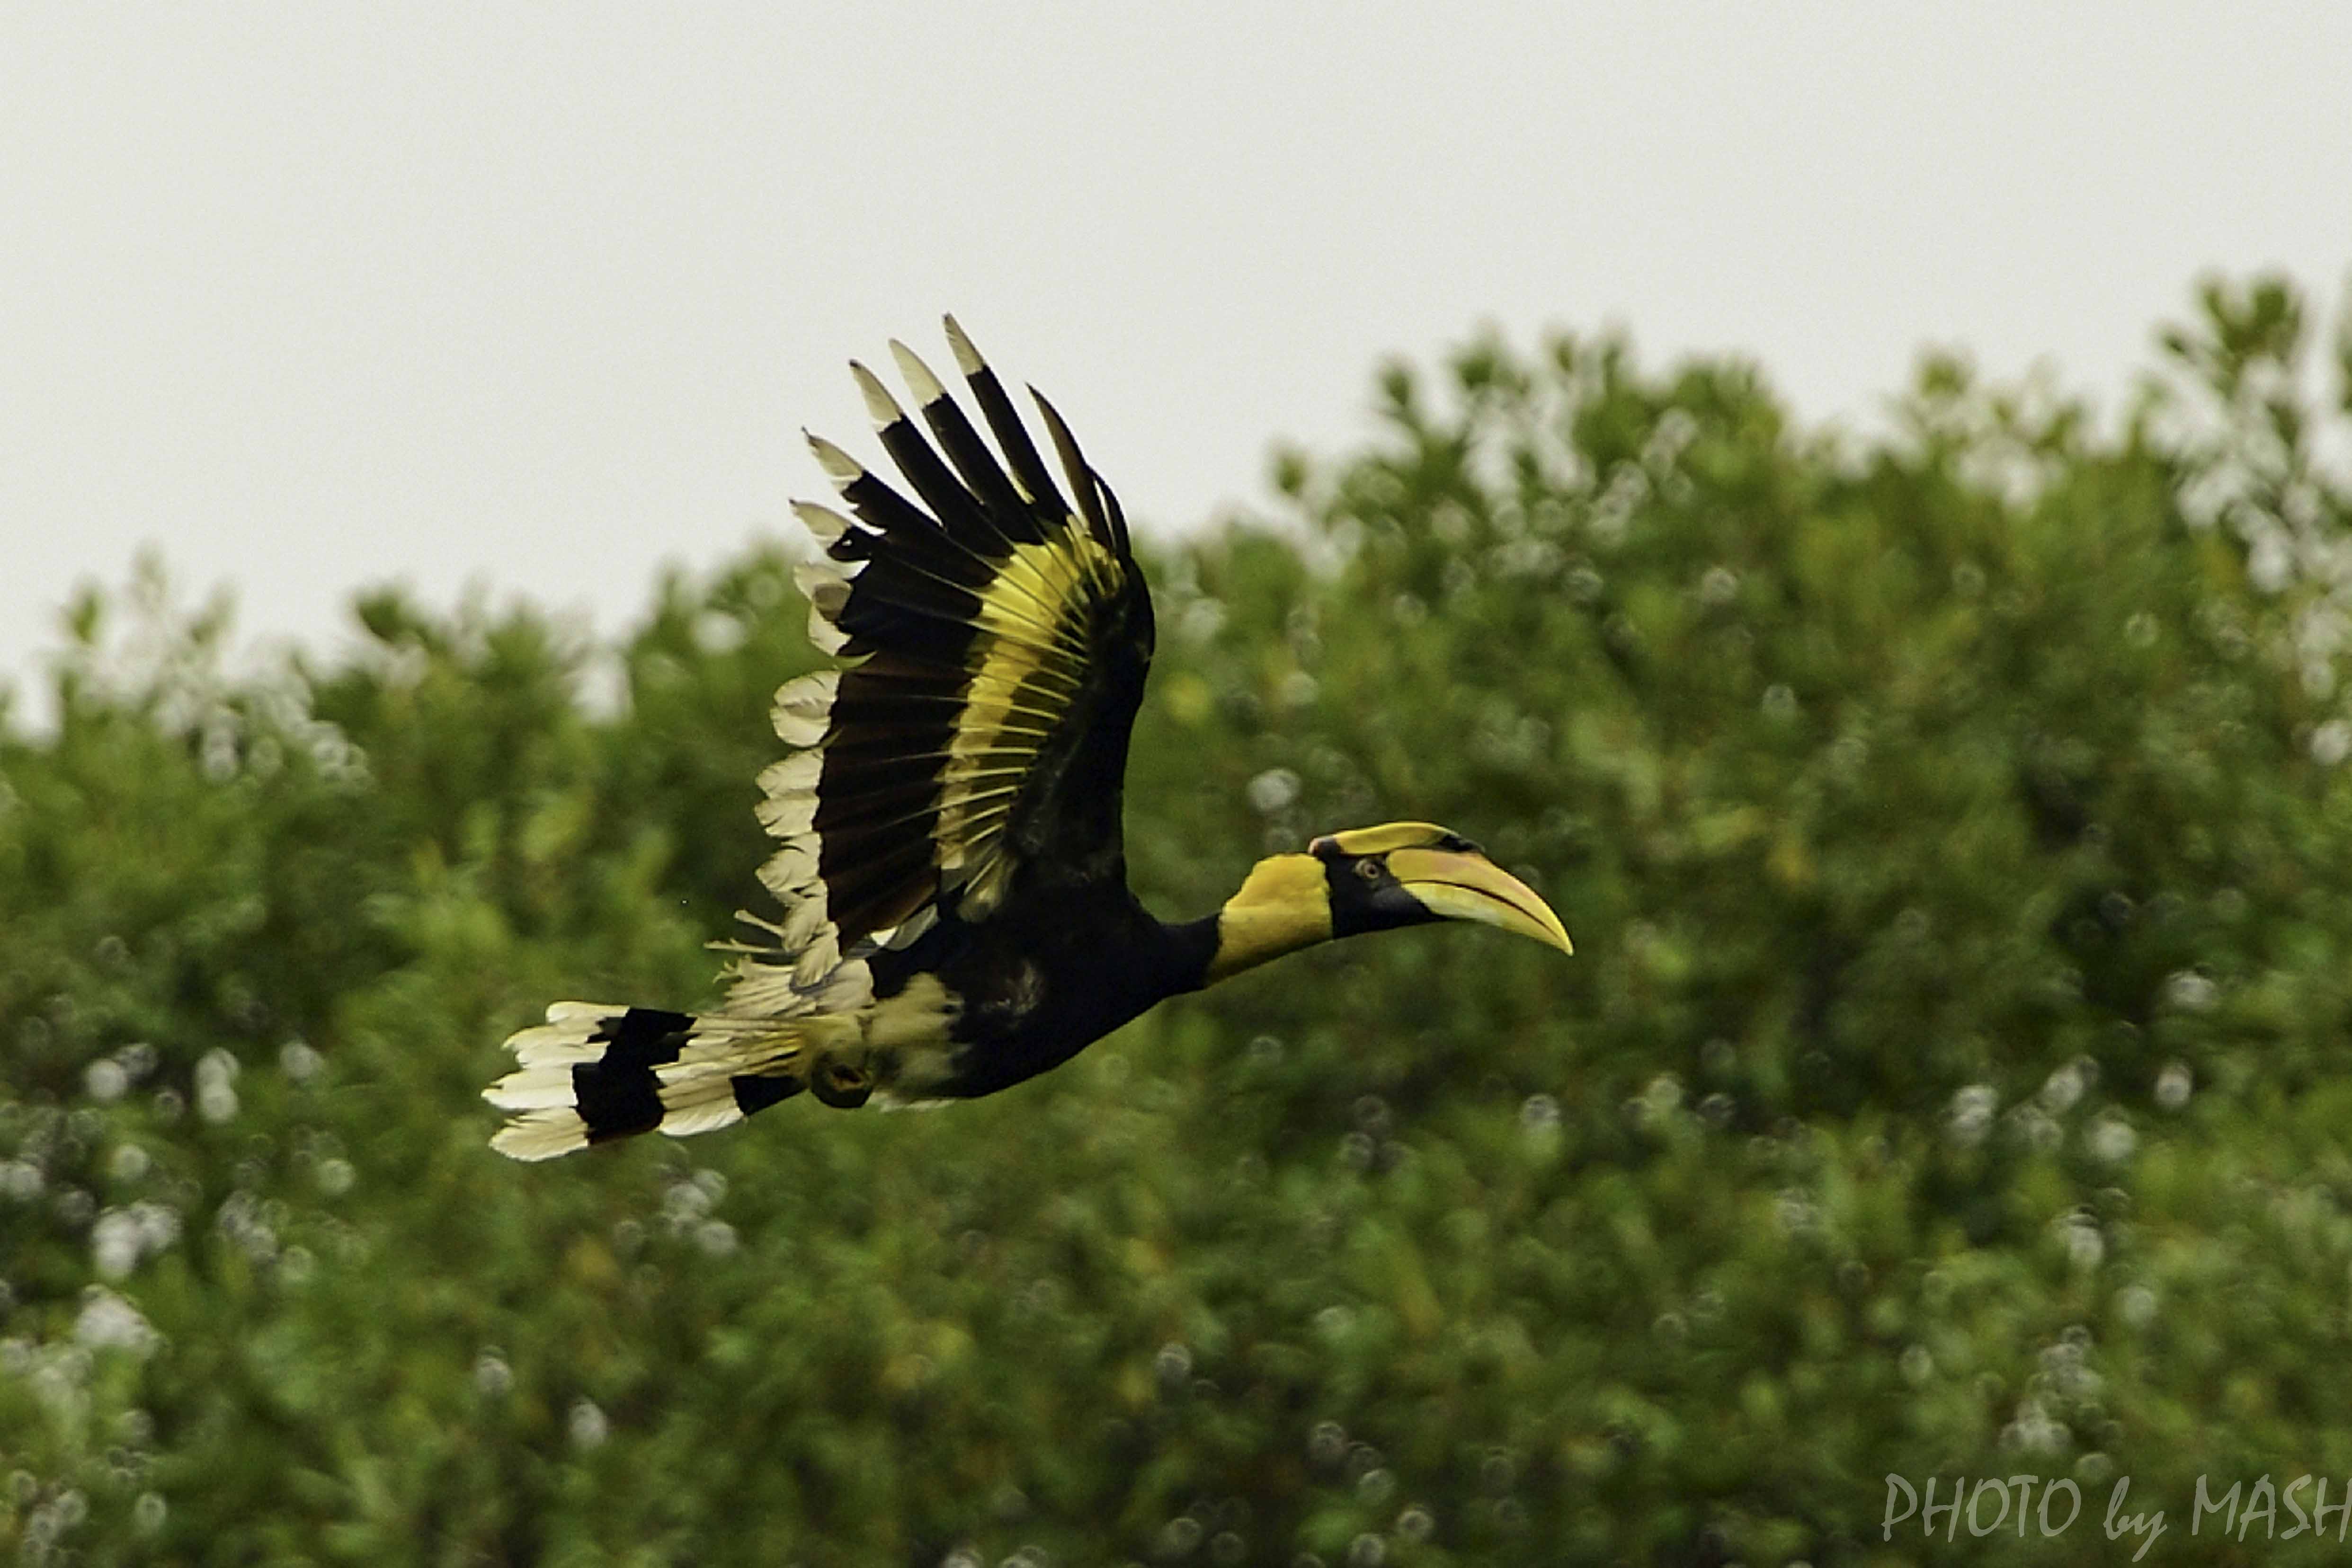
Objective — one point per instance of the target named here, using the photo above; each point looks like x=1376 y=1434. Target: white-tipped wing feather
x=998 y=638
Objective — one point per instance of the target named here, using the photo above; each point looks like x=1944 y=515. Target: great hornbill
x=956 y=914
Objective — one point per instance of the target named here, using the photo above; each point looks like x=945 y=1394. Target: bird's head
x=1403 y=873
x=1371 y=879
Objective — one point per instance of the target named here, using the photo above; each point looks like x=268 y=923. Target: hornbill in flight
x=956 y=912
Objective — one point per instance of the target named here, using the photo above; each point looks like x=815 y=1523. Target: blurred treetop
x=1950 y=1082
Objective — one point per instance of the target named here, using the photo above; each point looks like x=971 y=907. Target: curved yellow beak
x=1462 y=886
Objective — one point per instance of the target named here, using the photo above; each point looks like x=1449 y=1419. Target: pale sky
x=315 y=297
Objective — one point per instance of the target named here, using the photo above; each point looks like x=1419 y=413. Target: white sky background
x=314 y=297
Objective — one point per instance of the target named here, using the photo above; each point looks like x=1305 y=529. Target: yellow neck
x=1284 y=905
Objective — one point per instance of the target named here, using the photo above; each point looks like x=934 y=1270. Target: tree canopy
x=1950 y=1080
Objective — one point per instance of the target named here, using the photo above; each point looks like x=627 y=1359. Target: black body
x=1047 y=976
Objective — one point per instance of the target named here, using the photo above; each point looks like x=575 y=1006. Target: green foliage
x=1950 y=1080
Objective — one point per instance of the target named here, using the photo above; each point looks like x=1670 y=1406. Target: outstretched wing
x=997 y=637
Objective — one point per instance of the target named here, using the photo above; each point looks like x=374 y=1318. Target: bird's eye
x=1368 y=869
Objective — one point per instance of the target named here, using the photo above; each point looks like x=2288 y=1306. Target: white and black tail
x=596 y=1071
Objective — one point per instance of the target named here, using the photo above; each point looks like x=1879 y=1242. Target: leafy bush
x=1949 y=1081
